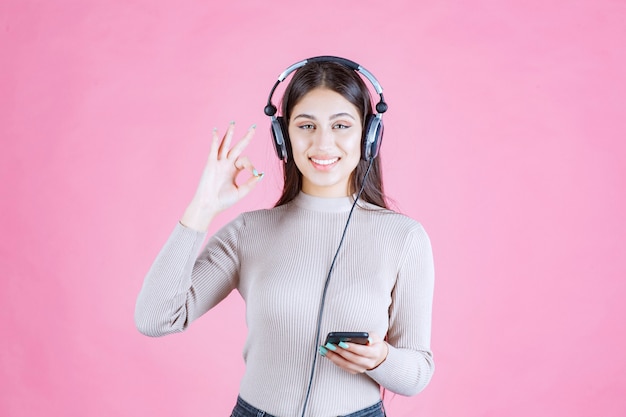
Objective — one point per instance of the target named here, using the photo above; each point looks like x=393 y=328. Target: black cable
x=330 y=271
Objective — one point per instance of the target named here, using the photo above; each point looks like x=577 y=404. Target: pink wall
x=505 y=137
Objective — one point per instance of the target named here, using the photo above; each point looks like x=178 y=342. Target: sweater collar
x=330 y=205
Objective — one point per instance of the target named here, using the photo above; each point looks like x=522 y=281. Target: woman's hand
x=218 y=188
x=356 y=358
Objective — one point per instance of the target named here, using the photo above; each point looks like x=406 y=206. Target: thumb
x=249 y=185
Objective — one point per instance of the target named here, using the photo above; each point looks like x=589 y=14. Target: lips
x=324 y=162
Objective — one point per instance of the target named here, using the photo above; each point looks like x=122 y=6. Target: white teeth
x=324 y=161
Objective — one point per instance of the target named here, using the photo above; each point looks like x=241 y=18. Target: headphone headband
x=381 y=106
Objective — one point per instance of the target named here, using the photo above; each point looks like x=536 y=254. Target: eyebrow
x=333 y=117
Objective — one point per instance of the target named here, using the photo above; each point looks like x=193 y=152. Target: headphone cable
x=322 y=302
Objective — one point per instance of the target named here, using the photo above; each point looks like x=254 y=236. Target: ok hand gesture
x=218 y=188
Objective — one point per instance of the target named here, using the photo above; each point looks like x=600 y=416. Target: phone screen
x=361 y=338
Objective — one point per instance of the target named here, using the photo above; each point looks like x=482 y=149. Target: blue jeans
x=243 y=409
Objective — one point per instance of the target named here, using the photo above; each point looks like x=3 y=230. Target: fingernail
x=253 y=127
x=369 y=341
x=330 y=346
x=322 y=350
x=255 y=172
x=214 y=129
x=232 y=122
x=343 y=345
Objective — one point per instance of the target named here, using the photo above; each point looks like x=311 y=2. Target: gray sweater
x=278 y=260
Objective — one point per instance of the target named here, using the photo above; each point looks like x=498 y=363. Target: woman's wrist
x=197 y=219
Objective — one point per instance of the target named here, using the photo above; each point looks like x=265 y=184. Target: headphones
x=373 y=129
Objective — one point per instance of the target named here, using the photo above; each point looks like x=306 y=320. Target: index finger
x=241 y=145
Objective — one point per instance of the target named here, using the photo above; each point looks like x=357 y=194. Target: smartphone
x=361 y=338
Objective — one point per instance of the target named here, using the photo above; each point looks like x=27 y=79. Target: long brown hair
x=348 y=83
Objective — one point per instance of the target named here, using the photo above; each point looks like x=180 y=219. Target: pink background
x=505 y=136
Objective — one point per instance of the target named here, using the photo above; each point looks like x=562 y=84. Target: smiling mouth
x=324 y=161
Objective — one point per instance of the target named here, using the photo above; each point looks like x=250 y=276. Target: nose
x=325 y=138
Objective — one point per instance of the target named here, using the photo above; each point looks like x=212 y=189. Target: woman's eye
x=307 y=126
x=340 y=126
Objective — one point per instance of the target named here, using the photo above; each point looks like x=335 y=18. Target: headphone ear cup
x=279 y=135
x=373 y=136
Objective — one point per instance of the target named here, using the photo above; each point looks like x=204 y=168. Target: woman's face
x=325 y=131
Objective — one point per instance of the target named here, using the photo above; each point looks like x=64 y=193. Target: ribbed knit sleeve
x=182 y=285
x=409 y=365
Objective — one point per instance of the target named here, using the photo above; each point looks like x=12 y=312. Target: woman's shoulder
x=391 y=218
x=260 y=216
x=248 y=222
x=394 y=230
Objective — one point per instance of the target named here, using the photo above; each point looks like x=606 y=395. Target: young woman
x=328 y=257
